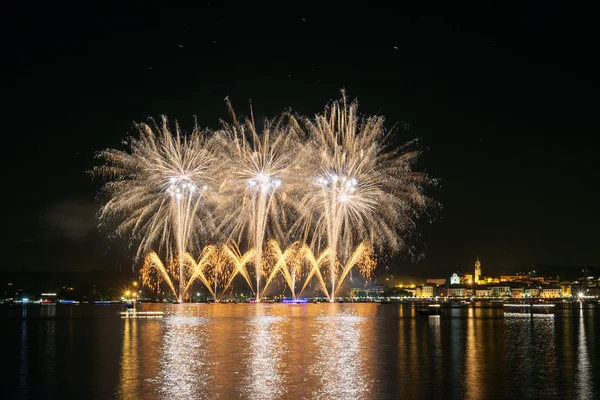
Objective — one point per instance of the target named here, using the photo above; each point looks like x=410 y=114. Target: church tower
x=477 y=275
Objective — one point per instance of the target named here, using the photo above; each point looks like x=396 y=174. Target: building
x=511 y=278
x=455 y=292
x=552 y=292
x=454 y=279
x=437 y=281
x=377 y=289
x=500 y=291
x=477 y=274
x=425 y=291
x=566 y=289
x=466 y=279
x=518 y=292
x=485 y=292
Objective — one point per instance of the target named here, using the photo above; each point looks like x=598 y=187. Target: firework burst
x=258 y=175
x=157 y=190
x=360 y=189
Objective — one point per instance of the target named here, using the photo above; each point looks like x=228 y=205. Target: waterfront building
x=454 y=279
x=500 y=291
x=377 y=289
x=552 y=291
x=482 y=292
x=566 y=289
x=425 y=291
x=518 y=292
x=477 y=274
x=455 y=292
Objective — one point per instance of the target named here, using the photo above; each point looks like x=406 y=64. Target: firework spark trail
x=209 y=257
x=363 y=258
x=154 y=272
x=289 y=262
x=360 y=189
x=239 y=261
x=257 y=175
x=157 y=190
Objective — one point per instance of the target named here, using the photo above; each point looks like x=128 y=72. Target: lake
x=298 y=351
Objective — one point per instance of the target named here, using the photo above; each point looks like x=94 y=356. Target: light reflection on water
x=308 y=351
x=529 y=355
x=265 y=346
x=583 y=370
x=184 y=364
x=472 y=359
x=340 y=361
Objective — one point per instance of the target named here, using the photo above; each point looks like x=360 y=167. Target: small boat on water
x=536 y=308
x=432 y=309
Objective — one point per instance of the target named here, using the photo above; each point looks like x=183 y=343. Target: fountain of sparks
x=289 y=263
x=337 y=192
x=217 y=267
x=183 y=194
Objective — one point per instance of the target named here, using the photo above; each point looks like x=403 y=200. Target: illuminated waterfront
x=336 y=351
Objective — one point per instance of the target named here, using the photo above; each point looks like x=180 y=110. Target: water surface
x=297 y=351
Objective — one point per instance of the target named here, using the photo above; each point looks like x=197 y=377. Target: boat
x=432 y=309
x=103 y=302
x=529 y=308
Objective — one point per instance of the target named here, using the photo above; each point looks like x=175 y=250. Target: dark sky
x=503 y=98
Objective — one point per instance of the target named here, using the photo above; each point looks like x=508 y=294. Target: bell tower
x=477 y=274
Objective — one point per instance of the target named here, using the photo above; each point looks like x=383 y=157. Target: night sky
x=504 y=100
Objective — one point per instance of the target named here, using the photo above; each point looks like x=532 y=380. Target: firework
x=332 y=184
x=258 y=175
x=157 y=190
x=359 y=189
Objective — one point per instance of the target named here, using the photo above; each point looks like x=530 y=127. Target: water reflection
x=339 y=363
x=23 y=359
x=270 y=351
x=530 y=355
x=129 y=373
x=184 y=367
x=473 y=384
x=437 y=355
x=265 y=347
x=49 y=375
x=583 y=370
